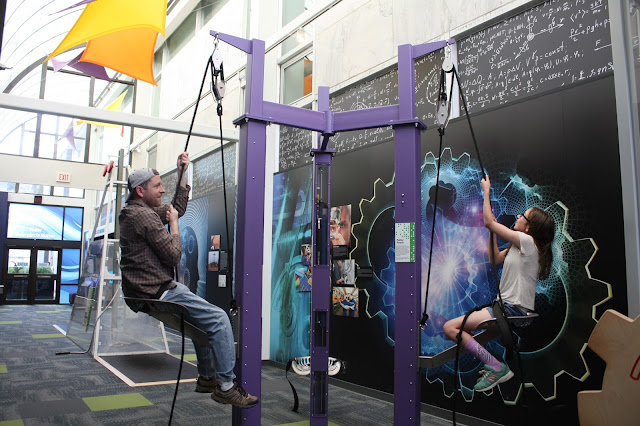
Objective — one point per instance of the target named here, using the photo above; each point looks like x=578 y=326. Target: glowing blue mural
x=291 y=227
x=462 y=278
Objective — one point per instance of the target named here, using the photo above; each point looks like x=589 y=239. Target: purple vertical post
x=4 y=212
x=250 y=234
x=407 y=211
x=321 y=277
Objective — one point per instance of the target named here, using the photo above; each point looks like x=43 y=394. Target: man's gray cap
x=138 y=178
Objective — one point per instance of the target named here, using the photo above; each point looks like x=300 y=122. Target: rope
x=193 y=119
x=233 y=302
x=175 y=394
x=457 y=364
x=425 y=316
x=214 y=74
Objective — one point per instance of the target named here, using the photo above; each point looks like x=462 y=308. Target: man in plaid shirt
x=149 y=255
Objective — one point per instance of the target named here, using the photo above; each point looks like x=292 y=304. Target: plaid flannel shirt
x=149 y=253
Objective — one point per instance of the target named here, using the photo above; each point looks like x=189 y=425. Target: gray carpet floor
x=38 y=387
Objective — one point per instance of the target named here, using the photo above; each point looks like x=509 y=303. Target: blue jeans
x=219 y=357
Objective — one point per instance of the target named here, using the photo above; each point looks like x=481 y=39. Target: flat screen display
x=72 y=224
x=32 y=221
x=38 y=222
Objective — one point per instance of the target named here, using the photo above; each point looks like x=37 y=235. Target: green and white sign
x=405 y=242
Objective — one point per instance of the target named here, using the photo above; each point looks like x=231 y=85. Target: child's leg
x=452 y=328
x=481 y=354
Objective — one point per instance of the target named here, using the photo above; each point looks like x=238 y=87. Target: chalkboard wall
x=551 y=45
x=207 y=174
x=554 y=44
x=207 y=171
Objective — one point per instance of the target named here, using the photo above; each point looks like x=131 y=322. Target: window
x=7 y=187
x=157 y=63
x=181 y=36
x=299 y=39
x=152 y=157
x=297 y=79
x=155 y=99
x=61 y=138
x=210 y=8
x=63 y=191
x=293 y=8
x=27 y=188
x=20 y=133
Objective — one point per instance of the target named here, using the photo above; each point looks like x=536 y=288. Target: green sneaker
x=490 y=377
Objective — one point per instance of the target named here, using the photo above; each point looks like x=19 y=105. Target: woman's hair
x=542 y=229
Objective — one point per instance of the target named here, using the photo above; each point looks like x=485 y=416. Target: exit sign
x=63 y=177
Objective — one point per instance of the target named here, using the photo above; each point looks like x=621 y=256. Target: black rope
x=425 y=316
x=296 y=401
x=175 y=394
x=457 y=363
x=193 y=119
x=466 y=112
x=233 y=302
x=441 y=130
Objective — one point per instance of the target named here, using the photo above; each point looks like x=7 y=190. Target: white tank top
x=520 y=273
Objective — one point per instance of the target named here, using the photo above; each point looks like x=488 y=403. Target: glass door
x=16 y=287
x=32 y=275
x=46 y=275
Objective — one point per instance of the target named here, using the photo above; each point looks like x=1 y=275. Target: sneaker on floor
x=491 y=377
x=235 y=396
x=204 y=385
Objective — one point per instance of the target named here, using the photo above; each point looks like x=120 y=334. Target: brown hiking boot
x=235 y=396
x=204 y=385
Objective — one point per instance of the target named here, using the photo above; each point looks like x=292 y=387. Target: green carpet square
x=114 y=402
x=3 y=368
x=10 y=322
x=189 y=357
x=47 y=336
x=12 y=423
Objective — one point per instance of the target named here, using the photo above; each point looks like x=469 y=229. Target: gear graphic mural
x=373 y=237
x=462 y=277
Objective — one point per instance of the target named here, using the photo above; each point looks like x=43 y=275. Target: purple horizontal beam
x=365 y=118
x=237 y=42
x=296 y=117
x=424 y=49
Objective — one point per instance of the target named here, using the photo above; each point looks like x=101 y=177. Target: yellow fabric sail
x=113 y=106
x=104 y=18
x=129 y=52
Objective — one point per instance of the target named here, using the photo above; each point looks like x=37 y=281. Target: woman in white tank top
x=527 y=259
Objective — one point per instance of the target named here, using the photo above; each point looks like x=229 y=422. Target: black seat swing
x=488 y=330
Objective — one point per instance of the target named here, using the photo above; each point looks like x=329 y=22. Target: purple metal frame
x=321 y=274
x=250 y=235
